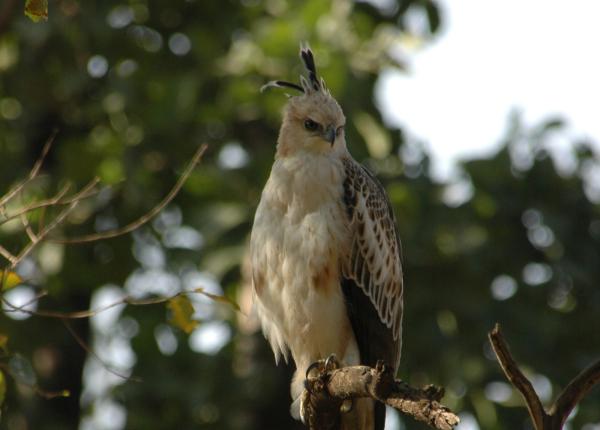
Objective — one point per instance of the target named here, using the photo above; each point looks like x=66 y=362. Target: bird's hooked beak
x=329 y=134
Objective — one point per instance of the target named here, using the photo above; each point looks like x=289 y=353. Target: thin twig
x=42 y=234
x=90 y=351
x=126 y=300
x=58 y=200
x=517 y=378
x=36 y=205
x=33 y=173
x=11 y=258
x=148 y=216
x=25 y=222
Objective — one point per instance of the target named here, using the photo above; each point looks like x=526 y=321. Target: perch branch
x=330 y=388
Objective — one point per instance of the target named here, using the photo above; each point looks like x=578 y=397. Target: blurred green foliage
x=135 y=87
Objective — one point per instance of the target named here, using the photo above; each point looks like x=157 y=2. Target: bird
x=325 y=252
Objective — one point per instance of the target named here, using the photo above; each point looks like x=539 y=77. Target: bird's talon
x=331 y=363
x=304 y=401
x=315 y=365
x=346 y=406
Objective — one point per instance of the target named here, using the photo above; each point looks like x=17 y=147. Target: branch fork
x=555 y=417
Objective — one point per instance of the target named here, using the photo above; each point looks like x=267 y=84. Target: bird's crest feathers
x=307 y=86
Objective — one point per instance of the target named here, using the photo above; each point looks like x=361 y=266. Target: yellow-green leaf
x=36 y=10
x=2 y=387
x=9 y=280
x=220 y=299
x=181 y=313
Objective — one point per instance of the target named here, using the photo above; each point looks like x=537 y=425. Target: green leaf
x=22 y=370
x=181 y=313
x=2 y=387
x=36 y=10
x=9 y=280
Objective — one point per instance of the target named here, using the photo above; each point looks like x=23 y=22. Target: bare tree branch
x=148 y=216
x=515 y=376
x=42 y=234
x=35 y=238
x=6 y=254
x=32 y=174
x=573 y=393
x=88 y=313
x=330 y=388
x=58 y=200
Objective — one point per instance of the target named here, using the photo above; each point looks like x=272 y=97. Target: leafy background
x=135 y=87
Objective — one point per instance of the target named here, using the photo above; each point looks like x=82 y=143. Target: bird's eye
x=310 y=125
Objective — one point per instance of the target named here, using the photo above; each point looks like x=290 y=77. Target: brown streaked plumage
x=324 y=249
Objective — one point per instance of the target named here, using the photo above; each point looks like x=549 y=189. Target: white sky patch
x=497 y=391
x=233 y=156
x=392 y=420
x=106 y=320
x=503 y=287
x=467 y=422
x=142 y=283
x=490 y=58
x=184 y=237
x=210 y=337
x=107 y=415
x=23 y=297
x=165 y=339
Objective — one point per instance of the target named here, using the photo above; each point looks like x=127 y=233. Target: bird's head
x=313 y=121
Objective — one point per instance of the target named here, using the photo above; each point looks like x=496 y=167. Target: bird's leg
x=315 y=396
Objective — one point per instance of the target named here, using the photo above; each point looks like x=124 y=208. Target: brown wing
x=372 y=270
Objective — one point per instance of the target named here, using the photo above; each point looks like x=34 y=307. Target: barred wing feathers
x=374 y=266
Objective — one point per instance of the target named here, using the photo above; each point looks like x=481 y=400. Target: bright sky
x=491 y=57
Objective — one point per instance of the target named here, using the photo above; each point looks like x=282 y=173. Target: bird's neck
x=307 y=177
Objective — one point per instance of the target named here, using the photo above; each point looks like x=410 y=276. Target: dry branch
x=558 y=413
x=330 y=388
x=58 y=200
x=67 y=205
x=149 y=215
x=32 y=174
